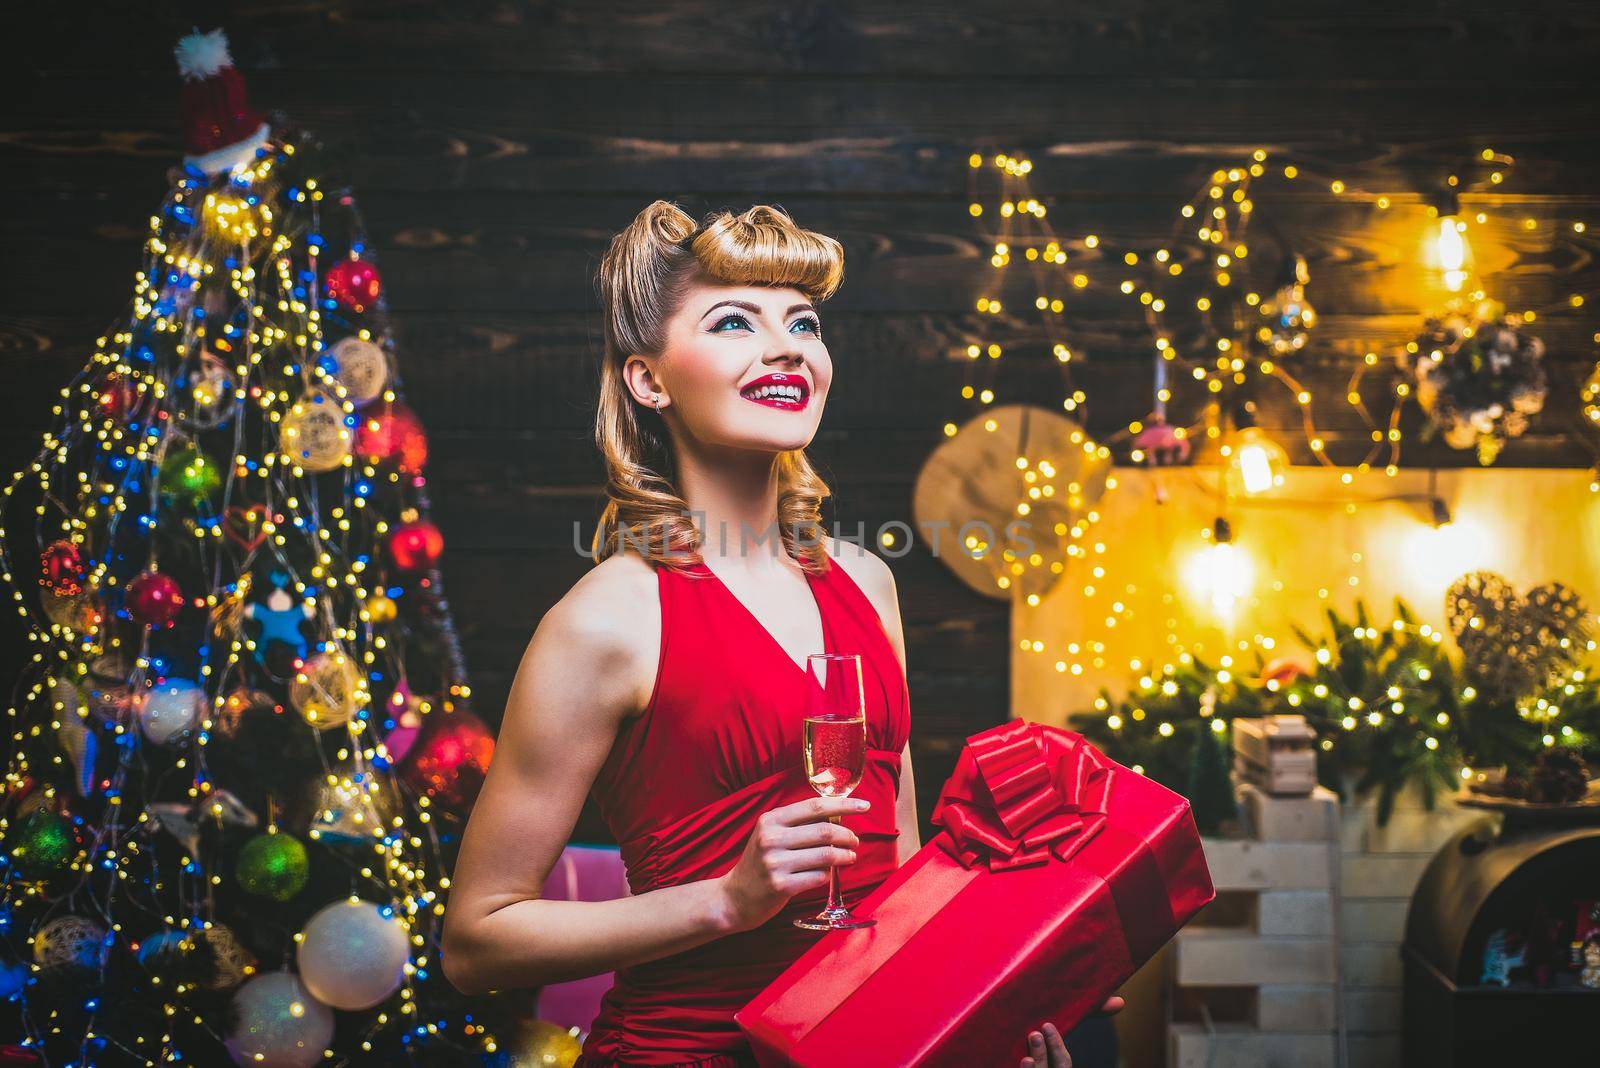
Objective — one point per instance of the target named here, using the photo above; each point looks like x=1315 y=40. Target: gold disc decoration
x=327 y=689
x=313 y=432
x=361 y=367
x=542 y=1044
x=1007 y=501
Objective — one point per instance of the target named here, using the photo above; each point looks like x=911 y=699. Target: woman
x=666 y=680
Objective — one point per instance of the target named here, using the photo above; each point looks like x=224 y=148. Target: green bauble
x=43 y=844
x=187 y=473
x=273 y=865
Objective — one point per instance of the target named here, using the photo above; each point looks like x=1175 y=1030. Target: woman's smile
x=786 y=392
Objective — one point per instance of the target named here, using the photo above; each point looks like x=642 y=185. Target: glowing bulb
x=1221 y=573
x=1453 y=252
x=1255 y=461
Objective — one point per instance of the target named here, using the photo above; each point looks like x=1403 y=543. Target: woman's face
x=744 y=366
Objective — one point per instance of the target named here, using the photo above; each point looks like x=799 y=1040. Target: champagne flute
x=835 y=757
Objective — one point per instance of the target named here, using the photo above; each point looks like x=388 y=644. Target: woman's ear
x=640 y=378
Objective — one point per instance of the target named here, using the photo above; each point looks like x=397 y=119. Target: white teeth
x=790 y=393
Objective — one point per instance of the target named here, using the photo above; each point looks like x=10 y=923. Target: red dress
x=718 y=744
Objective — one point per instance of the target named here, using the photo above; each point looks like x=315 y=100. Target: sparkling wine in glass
x=835 y=757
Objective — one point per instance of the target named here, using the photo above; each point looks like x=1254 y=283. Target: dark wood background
x=496 y=146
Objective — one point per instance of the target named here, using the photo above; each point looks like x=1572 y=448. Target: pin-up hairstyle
x=643 y=279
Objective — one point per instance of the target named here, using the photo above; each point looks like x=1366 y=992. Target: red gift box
x=1058 y=872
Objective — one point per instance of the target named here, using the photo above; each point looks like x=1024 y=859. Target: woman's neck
x=733 y=498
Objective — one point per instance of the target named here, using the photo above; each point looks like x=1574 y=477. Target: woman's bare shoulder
x=610 y=621
x=867 y=568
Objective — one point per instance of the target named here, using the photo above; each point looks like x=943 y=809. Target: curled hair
x=643 y=278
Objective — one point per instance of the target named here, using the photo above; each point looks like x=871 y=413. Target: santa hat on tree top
x=220 y=127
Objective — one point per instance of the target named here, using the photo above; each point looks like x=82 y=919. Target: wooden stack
x=1265 y=980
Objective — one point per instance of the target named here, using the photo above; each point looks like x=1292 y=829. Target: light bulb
x=1453 y=251
x=1255 y=461
x=1255 y=467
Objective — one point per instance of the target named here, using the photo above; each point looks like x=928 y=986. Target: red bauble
x=115 y=398
x=354 y=283
x=61 y=568
x=395 y=433
x=154 y=599
x=450 y=761
x=415 y=546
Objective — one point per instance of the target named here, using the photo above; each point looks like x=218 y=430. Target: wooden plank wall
x=496 y=146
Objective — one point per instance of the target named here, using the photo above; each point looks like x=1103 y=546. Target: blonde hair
x=643 y=278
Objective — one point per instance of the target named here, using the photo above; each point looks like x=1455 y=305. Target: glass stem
x=833 y=879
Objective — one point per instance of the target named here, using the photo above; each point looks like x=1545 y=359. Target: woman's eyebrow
x=749 y=307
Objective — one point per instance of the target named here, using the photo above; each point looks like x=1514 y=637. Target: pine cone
x=1559 y=777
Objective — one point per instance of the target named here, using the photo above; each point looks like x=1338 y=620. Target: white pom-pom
x=201 y=55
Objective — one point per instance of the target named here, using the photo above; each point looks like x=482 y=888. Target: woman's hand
x=1049 y=1050
x=790 y=850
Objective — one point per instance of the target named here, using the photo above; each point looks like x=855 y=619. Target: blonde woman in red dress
x=667 y=681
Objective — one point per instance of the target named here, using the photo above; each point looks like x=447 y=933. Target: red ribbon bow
x=1021 y=793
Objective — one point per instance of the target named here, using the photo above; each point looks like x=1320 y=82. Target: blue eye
x=728 y=319
x=808 y=321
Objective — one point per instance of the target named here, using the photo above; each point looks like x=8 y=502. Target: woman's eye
x=811 y=324
x=728 y=319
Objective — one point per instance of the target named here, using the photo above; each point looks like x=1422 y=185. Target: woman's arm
x=586 y=668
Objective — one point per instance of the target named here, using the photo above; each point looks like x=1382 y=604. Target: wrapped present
x=1057 y=873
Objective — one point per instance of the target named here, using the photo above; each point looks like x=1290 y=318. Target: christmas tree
x=241 y=752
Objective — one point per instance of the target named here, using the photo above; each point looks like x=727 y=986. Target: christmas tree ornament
x=170 y=708
x=403 y=721
x=240 y=703
x=236 y=220
x=71 y=942
x=273 y=864
x=159 y=950
x=182 y=819
x=327 y=690
x=153 y=599
x=80 y=613
x=393 y=434
x=1161 y=444
x=107 y=688
x=212 y=389
x=1478 y=375
x=61 y=568
x=451 y=759
x=1513 y=643
x=186 y=474
x=416 y=546
x=116 y=398
x=314 y=433
x=222 y=131
x=42 y=843
x=360 y=366
x=279 y=617
x=354 y=283
x=353 y=954
x=278 y=1023
x=542 y=1044
x=351 y=807
x=81 y=745
x=1287 y=316
x=231 y=963
x=380 y=608
x=248 y=526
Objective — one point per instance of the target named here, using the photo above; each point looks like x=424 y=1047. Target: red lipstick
x=786 y=392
